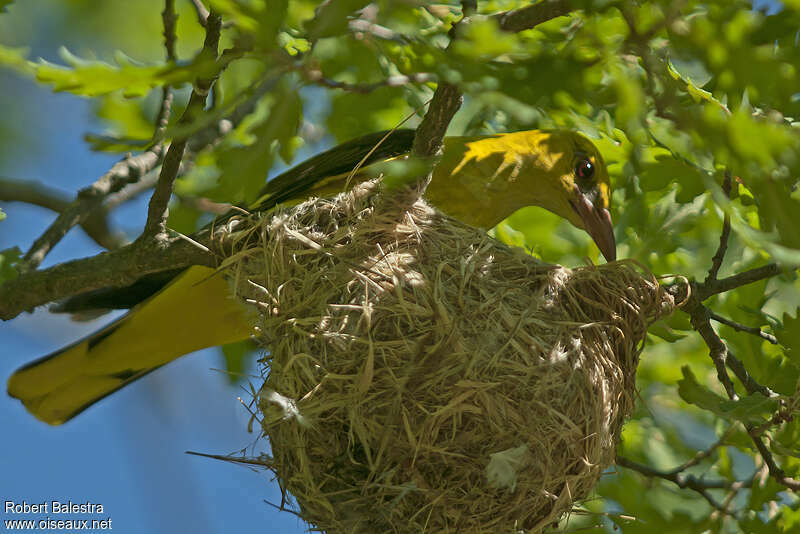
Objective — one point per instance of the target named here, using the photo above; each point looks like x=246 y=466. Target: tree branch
x=701 y=322
x=530 y=16
x=681 y=480
x=709 y=288
x=155 y=227
x=121 y=174
x=131 y=191
x=705 y=453
x=430 y=133
x=316 y=77
x=380 y=32
x=117 y=268
x=202 y=12
x=95 y=225
x=744 y=328
x=774 y=470
x=719 y=256
x=169 y=19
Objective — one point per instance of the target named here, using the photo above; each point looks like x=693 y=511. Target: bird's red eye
x=584 y=169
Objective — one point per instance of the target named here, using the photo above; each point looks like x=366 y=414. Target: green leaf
x=764 y=493
x=780 y=210
x=697 y=94
x=330 y=18
x=381 y=109
x=126 y=117
x=789 y=520
x=9 y=258
x=236 y=357
x=789 y=336
x=753 y=409
x=2 y=214
x=243 y=169
x=93 y=78
x=660 y=329
x=108 y=143
x=183 y=217
x=663 y=170
x=244 y=15
x=261 y=20
x=507 y=234
x=16 y=59
x=483 y=39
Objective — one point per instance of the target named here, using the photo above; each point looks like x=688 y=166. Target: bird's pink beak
x=597 y=224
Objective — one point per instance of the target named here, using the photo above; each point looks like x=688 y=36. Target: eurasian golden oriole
x=479 y=180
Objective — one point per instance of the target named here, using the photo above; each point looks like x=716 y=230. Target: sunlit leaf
x=16 y=59
x=93 y=78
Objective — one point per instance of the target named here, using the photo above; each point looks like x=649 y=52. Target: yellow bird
x=479 y=180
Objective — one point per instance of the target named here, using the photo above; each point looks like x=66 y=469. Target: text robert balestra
x=52 y=507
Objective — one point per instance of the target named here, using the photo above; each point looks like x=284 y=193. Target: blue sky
x=128 y=452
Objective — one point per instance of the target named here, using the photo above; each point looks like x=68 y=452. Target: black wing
x=340 y=159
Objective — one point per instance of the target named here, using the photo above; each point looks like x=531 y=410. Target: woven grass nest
x=423 y=377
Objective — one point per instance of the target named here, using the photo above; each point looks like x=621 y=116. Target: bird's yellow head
x=582 y=188
x=482 y=180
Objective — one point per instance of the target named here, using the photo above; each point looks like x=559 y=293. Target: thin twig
x=30 y=192
x=282 y=508
x=247 y=461
x=714 y=287
x=429 y=136
x=447 y=98
x=744 y=328
x=124 y=172
x=202 y=12
x=376 y=30
x=719 y=256
x=131 y=191
x=169 y=19
x=718 y=351
x=316 y=77
x=705 y=453
x=701 y=321
x=700 y=317
x=681 y=480
x=774 y=470
x=750 y=384
x=155 y=227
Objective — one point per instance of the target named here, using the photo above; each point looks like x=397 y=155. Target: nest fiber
x=423 y=377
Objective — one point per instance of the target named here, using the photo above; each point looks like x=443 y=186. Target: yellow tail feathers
x=195 y=311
